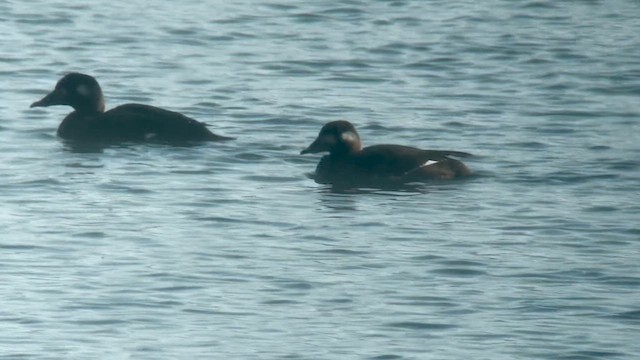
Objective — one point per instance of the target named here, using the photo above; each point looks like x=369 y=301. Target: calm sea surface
x=229 y=251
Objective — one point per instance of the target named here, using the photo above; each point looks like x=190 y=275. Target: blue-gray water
x=230 y=251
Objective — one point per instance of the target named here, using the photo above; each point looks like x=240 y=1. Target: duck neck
x=343 y=150
x=91 y=107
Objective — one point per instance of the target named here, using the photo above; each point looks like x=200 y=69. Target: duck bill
x=53 y=98
x=318 y=145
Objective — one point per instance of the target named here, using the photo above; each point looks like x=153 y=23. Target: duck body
x=135 y=122
x=349 y=164
x=129 y=122
x=390 y=164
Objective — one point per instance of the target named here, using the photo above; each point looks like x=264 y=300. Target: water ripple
x=230 y=250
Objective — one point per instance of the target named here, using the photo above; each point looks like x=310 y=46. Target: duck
x=129 y=122
x=350 y=164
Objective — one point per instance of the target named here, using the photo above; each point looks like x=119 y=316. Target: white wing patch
x=148 y=136
x=429 y=162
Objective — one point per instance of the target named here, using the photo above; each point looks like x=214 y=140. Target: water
x=230 y=251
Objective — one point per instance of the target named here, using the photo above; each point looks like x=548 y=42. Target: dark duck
x=349 y=164
x=129 y=122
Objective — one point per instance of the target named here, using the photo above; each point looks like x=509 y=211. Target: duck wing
x=398 y=160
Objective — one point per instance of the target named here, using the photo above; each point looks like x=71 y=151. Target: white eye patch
x=83 y=90
x=349 y=137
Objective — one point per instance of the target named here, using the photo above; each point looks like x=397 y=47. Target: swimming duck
x=348 y=163
x=129 y=122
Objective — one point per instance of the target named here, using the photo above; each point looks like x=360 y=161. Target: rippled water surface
x=230 y=251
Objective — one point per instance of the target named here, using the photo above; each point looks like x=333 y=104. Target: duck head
x=81 y=92
x=336 y=137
